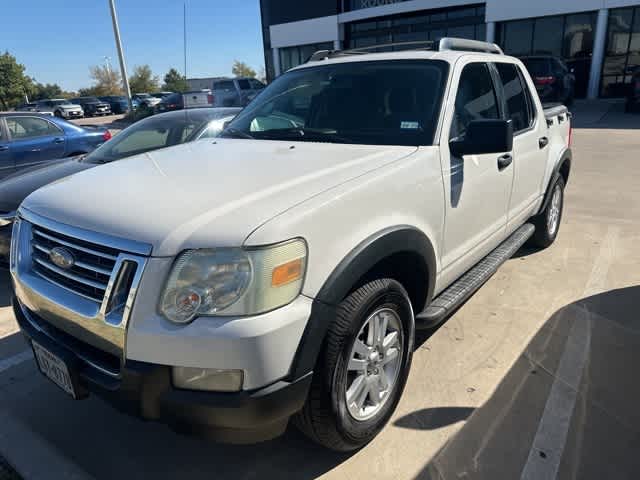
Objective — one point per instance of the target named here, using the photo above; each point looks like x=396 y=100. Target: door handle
x=543 y=142
x=504 y=161
x=3 y=148
x=36 y=150
x=58 y=140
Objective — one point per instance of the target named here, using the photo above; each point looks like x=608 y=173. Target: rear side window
x=30 y=127
x=475 y=100
x=244 y=84
x=514 y=95
x=224 y=85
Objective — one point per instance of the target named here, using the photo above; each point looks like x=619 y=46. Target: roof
x=447 y=49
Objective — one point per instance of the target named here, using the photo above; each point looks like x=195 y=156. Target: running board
x=460 y=291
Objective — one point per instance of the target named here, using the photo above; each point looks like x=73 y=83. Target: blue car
x=28 y=139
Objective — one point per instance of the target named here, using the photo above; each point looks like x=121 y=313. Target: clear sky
x=57 y=41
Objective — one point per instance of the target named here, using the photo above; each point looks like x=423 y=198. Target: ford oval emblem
x=61 y=257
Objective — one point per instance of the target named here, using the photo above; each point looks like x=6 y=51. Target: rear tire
x=547 y=223
x=356 y=362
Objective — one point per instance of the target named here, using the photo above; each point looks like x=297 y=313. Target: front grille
x=88 y=277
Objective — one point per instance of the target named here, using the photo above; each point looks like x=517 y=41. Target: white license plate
x=54 y=369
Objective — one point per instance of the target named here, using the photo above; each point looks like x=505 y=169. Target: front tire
x=58 y=114
x=547 y=223
x=362 y=369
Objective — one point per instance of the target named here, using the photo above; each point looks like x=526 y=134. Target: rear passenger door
x=529 y=149
x=34 y=140
x=225 y=93
x=476 y=190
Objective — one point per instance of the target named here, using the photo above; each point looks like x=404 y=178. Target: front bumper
x=145 y=390
x=72 y=113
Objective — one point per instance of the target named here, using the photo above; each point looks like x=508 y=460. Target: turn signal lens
x=287 y=272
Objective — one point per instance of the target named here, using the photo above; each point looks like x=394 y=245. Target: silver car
x=60 y=107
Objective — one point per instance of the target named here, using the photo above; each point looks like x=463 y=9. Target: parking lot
x=532 y=378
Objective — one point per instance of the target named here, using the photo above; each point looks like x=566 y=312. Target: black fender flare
x=566 y=156
x=349 y=271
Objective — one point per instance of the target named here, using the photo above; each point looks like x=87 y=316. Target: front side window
x=514 y=94
x=244 y=84
x=224 y=85
x=30 y=127
x=475 y=100
x=374 y=103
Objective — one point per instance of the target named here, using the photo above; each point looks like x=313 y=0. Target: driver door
x=477 y=190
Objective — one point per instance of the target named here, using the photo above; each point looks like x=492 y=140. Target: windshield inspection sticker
x=410 y=125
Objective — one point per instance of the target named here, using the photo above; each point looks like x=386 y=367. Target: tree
x=262 y=75
x=14 y=84
x=106 y=81
x=175 y=82
x=143 y=80
x=50 y=90
x=241 y=69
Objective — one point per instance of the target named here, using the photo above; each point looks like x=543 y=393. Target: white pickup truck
x=225 y=286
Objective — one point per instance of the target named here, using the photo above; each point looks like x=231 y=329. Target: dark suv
x=93 y=106
x=554 y=81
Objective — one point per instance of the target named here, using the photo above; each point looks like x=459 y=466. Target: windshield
x=374 y=103
x=151 y=134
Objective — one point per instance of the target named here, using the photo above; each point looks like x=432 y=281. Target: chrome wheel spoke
x=360 y=348
x=382 y=331
x=384 y=381
x=357 y=364
x=391 y=355
x=391 y=340
x=374 y=391
x=357 y=391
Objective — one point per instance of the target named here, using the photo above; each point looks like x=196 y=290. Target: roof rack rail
x=462 y=44
x=458 y=44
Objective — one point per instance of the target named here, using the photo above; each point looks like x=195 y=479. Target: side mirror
x=226 y=124
x=484 y=136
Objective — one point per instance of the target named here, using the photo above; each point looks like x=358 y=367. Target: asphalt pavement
x=533 y=378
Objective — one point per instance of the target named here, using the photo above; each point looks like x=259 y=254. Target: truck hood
x=204 y=194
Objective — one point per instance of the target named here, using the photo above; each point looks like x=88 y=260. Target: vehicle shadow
x=604 y=421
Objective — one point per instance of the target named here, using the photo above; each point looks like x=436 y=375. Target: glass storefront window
x=569 y=37
x=293 y=56
x=517 y=36
x=547 y=37
x=622 y=51
x=464 y=22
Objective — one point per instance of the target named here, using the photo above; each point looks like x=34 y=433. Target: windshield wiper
x=305 y=134
x=234 y=132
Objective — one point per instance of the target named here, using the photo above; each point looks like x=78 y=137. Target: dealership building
x=599 y=39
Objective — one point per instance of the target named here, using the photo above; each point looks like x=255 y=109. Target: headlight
x=234 y=281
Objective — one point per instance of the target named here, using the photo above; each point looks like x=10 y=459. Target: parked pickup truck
x=227 y=285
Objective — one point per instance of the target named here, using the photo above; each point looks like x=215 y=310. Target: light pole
x=123 y=66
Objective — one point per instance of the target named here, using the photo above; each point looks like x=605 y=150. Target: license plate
x=54 y=368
